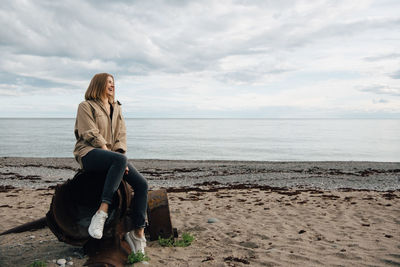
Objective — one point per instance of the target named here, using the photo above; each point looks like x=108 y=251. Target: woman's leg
x=139 y=201
x=135 y=238
x=112 y=162
x=115 y=164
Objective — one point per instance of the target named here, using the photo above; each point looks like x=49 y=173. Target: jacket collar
x=101 y=102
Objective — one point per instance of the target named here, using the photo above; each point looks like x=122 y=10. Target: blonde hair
x=97 y=87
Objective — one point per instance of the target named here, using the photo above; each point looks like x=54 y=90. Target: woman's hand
x=126 y=170
x=104 y=147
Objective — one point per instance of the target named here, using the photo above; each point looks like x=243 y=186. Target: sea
x=218 y=139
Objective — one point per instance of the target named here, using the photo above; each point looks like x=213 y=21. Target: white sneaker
x=97 y=224
x=136 y=243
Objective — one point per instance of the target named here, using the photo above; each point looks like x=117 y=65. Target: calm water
x=225 y=139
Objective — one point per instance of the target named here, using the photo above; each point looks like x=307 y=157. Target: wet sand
x=268 y=213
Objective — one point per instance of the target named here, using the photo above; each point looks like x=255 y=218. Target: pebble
x=70 y=263
x=32 y=237
x=212 y=220
x=61 y=261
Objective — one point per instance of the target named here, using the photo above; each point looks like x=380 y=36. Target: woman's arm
x=86 y=127
x=120 y=141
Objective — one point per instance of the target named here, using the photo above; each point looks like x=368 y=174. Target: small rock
x=70 y=263
x=302 y=231
x=212 y=220
x=31 y=236
x=61 y=261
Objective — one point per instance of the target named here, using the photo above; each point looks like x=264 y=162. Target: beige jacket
x=94 y=128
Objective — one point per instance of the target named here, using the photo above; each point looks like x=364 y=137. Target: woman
x=101 y=146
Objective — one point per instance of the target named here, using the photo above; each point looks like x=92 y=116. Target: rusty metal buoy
x=74 y=203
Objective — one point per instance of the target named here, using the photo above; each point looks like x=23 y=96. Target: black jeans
x=114 y=164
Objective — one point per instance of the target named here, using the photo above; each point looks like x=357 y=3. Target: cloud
x=170 y=37
x=395 y=75
x=381 y=90
x=380 y=101
x=391 y=56
x=213 y=55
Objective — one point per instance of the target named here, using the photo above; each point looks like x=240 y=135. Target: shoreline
x=37 y=173
x=207 y=160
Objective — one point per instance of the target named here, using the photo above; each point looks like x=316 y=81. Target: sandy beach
x=267 y=213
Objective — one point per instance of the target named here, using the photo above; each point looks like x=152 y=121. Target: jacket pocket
x=101 y=121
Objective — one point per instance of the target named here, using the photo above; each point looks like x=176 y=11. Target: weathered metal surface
x=108 y=252
x=73 y=205
x=75 y=202
x=158 y=215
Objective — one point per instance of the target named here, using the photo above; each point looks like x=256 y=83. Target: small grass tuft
x=38 y=264
x=166 y=242
x=186 y=241
x=137 y=257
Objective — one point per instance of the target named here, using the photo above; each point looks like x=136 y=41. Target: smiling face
x=110 y=89
x=101 y=87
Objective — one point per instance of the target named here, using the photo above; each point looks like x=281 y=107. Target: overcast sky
x=257 y=59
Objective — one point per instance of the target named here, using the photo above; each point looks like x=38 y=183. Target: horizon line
x=217 y=118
